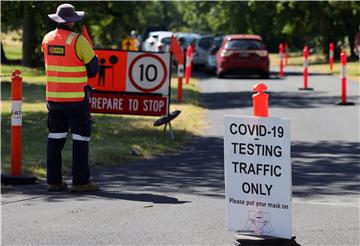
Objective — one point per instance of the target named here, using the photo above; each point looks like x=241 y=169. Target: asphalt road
x=179 y=199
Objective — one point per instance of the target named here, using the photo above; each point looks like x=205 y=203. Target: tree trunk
x=28 y=46
x=3 y=57
x=324 y=34
x=351 y=37
x=167 y=19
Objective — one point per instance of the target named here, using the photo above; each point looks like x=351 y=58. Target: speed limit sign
x=148 y=73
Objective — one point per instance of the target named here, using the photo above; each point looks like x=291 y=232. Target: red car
x=243 y=54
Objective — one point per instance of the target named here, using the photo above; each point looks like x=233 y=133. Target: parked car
x=243 y=54
x=148 y=30
x=202 y=47
x=158 y=41
x=186 y=38
x=211 y=63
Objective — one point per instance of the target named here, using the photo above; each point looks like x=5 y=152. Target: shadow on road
x=325 y=168
x=199 y=170
x=319 y=168
x=298 y=100
x=38 y=191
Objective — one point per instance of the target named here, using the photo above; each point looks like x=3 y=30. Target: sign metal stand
x=167 y=121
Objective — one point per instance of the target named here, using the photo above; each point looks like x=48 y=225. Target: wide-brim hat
x=66 y=13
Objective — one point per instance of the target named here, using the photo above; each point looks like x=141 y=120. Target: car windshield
x=185 y=40
x=166 y=41
x=206 y=43
x=244 y=44
x=189 y=40
x=218 y=41
x=154 y=37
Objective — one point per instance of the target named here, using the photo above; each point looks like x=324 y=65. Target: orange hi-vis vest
x=66 y=74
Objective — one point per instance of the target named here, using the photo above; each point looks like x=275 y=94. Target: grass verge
x=116 y=139
x=318 y=64
x=11 y=42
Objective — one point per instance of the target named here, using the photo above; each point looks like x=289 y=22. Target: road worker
x=136 y=43
x=130 y=43
x=69 y=62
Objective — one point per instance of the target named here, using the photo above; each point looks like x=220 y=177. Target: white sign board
x=258 y=175
x=16 y=115
x=180 y=71
x=148 y=73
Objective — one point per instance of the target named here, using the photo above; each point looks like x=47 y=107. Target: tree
x=295 y=22
x=29 y=38
x=3 y=56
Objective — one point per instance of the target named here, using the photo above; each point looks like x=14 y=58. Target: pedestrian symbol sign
x=111 y=71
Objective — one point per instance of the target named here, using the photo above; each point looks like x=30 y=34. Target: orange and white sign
x=140 y=72
x=125 y=75
x=148 y=73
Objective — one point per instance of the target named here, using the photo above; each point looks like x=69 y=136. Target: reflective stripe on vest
x=57 y=135
x=66 y=79
x=66 y=74
x=66 y=68
x=80 y=138
x=64 y=94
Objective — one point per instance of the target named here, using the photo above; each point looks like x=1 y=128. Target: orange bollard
x=331 y=56
x=16 y=135
x=177 y=51
x=260 y=101
x=343 y=76
x=306 y=71
x=179 y=91
x=281 y=55
x=306 y=64
x=16 y=123
x=189 y=54
x=343 y=80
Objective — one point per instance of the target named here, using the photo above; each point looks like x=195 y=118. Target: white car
x=186 y=38
x=157 y=42
x=211 y=56
x=203 y=45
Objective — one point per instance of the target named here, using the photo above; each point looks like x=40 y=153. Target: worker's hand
x=88 y=90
